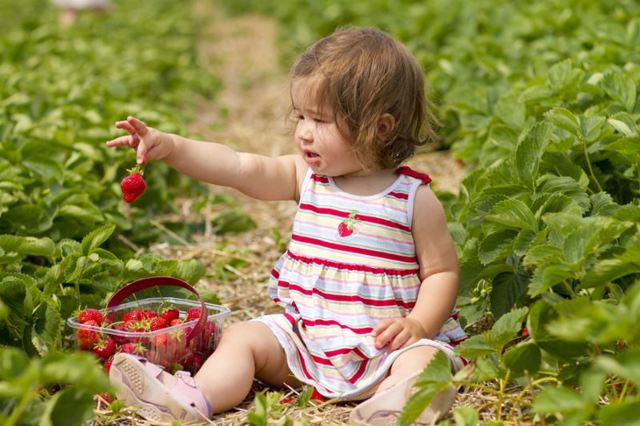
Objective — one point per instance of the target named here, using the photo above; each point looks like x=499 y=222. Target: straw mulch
x=249 y=115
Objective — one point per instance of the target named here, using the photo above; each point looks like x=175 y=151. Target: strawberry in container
x=178 y=334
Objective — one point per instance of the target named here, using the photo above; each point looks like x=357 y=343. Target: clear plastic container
x=175 y=347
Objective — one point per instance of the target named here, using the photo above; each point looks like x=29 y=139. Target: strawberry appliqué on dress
x=347 y=226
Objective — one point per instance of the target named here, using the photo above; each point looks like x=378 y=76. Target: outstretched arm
x=261 y=177
x=438 y=272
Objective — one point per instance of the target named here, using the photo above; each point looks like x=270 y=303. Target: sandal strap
x=153 y=368
x=186 y=387
x=185 y=377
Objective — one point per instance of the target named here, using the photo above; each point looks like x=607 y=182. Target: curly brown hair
x=362 y=74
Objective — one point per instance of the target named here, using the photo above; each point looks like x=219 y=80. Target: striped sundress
x=350 y=264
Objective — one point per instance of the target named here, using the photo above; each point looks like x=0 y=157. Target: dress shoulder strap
x=408 y=171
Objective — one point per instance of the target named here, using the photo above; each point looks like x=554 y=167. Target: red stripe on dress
x=341 y=298
x=362 y=217
x=408 y=171
x=304 y=366
x=353 y=267
x=400 y=195
x=321 y=322
x=290 y=318
x=457 y=342
x=275 y=273
x=344 y=351
x=356 y=250
x=321 y=179
x=321 y=360
x=363 y=367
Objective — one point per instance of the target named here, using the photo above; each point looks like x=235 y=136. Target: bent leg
x=394 y=391
x=247 y=350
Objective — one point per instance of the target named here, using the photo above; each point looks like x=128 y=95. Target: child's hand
x=397 y=333
x=149 y=143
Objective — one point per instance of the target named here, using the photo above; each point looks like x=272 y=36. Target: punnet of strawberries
x=154 y=328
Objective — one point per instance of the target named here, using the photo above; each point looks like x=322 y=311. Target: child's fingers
x=381 y=326
x=122 y=140
x=388 y=334
x=138 y=125
x=124 y=125
x=400 y=340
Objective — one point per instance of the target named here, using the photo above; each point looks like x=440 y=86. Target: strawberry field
x=538 y=101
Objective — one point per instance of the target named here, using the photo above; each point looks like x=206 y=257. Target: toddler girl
x=369 y=280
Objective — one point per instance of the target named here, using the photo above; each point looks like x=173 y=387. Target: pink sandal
x=138 y=385
x=385 y=407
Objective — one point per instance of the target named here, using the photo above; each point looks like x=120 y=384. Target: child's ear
x=386 y=126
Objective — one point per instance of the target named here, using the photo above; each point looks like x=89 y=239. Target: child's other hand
x=397 y=333
x=149 y=143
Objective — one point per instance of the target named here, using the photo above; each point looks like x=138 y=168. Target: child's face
x=323 y=147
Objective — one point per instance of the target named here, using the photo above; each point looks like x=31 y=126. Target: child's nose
x=305 y=132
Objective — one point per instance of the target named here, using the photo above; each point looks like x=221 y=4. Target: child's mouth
x=309 y=154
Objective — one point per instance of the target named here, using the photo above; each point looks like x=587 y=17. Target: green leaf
x=474 y=347
x=625 y=365
x=524 y=357
x=496 y=246
x=559 y=399
x=510 y=110
x=466 y=416
x=591 y=127
x=628 y=147
x=536 y=94
x=190 y=271
x=621 y=413
x=529 y=152
x=564 y=119
x=545 y=277
x=622 y=127
x=505 y=328
x=608 y=270
x=621 y=89
x=506 y=290
x=541 y=315
x=28 y=246
x=562 y=75
x=72 y=407
x=96 y=237
x=86 y=213
x=513 y=213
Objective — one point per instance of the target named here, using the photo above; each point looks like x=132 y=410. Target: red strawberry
x=524 y=332
x=87 y=337
x=133 y=185
x=170 y=314
x=162 y=340
x=193 y=362
x=133 y=315
x=148 y=314
x=158 y=323
x=104 y=348
x=193 y=313
x=107 y=364
x=346 y=227
x=90 y=314
x=176 y=321
x=316 y=396
x=133 y=348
